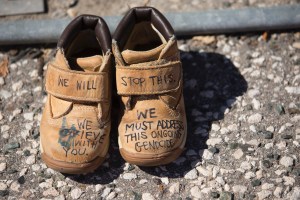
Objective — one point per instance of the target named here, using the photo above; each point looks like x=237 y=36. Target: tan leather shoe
x=152 y=130
x=75 y=125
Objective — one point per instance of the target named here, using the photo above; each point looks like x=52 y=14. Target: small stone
x=245 y=165
x=293 y=90
x=255 y=118
x=278 y=192
x=226 y=196
x=2 y=167
x=5 y=94
x=76 y=193
x=26 y=152
x=196 y=192
x=255 y=183
x=288 y=180
x=207 y=155
x=17 y=86
x=249 y=175
x=106 y=192
x=193 y=174
x=280 y=109
x=157 y=181
x=3 y=186
x=213 y=141
x=233 y=145
x=111 y=195
x=165 y=180
x=174 y=188
x=266 y=134
x=214 y=150
x=3 y=193
x=239 y=189
x=296 y=194
x=214 y=195
x=30 y=160
x=264 y=194
x=296 y=45
x=4 y=128
x=12 y=145
x=28 y=116
x=286 y=161
x=266 y=163
x=287 y=136
x=147 y=196
x=15 y=186
x=203 y=171
x=51 y=192
x=267 y=186
x=143 y=181
x=60 y=197
x=129 y=176
x=21 y=180
x=238 y=154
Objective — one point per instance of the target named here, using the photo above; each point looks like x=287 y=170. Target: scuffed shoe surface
x=152 y=129
x=75 y=125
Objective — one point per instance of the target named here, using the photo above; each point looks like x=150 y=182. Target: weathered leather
x=75 y=125
x=153 y=122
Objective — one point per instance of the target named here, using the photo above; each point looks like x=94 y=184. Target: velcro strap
x=147 y=80
x=77 y=85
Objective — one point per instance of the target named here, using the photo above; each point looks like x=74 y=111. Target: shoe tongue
x=88 y=64
x=134 y=57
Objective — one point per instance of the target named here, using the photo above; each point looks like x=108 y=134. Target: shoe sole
x=72 y=168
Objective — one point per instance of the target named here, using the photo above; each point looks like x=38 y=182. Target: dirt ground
x=242 y=96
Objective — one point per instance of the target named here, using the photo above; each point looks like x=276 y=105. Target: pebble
x=5 y=94
x=106 y=192
x=143 y=181
x=15 y=186
x=286 y=161
x=129 y=176
x=28 y=116
x=255 y=183
x=204 y=171
x=266 y=163
x=174 y=188
x=111 y=195
x=17 y=86
x=207 y=155
x=245 y=165
x=278 y=192
x=293 y=90
x=296 y=45
x=165 y=180
x=264 y=194
x=3 y=186
x=2 y=167
x=296 y=194
x=12 y=145
x=51 y=192
x=226 y=196
x=280 y=109
x=267 y=186
x=3 y=193
x=214 y=195
x=147 y=196
x=30 y=160
x=196 y=192
x=239 y=189
x=238 y=154
x=213 y=141
x=192 y=174
x=255 y=118
x=76 y=193
x=266 y=134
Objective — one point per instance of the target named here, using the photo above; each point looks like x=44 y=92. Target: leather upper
x=149 y=81
x=75 y=125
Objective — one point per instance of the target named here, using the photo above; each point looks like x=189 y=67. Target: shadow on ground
x=211 y=85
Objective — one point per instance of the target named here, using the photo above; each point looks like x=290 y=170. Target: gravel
x=242 y=102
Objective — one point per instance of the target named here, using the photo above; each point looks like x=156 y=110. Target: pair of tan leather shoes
x=76 y=121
